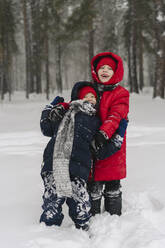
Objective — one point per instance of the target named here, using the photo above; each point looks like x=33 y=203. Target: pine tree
x=109 y=25
x=138 y=23
x=82 y=24
x=54 y=18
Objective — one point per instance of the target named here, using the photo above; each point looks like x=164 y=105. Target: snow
x=142 y=224
x=160 y=16
x=160 y=53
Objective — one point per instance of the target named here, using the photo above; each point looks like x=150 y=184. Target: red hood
x=118 y=75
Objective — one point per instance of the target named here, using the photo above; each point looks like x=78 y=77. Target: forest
x=47 y=45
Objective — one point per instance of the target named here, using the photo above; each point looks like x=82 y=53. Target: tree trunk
x=91 y=47
x=2 y=84
x=27 y=47
x=58 y=67
x=8 y=69
x=134 y=50
x=2 y=72
x=36 y=45
x=134 y=65
x=159 y=86
x=141 y=76
x=129 y=70
x=47 y=68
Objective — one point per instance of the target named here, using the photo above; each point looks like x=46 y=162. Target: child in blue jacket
x=67 y=158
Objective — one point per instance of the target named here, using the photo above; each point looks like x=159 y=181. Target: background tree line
x=47 y=45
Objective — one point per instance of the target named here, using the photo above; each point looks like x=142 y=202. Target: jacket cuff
x=104 y=134
x=65 y=105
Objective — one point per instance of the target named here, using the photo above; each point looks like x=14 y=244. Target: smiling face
x=105 y=73
x=89 y=97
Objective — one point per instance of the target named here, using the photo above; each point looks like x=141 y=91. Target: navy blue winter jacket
x=85 y=128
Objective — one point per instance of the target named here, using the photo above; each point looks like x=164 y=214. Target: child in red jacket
x=107 y=72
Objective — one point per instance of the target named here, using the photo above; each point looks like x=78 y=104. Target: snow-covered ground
x=142 y=224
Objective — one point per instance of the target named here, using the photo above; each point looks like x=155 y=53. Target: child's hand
x=99 y=140
x=57 y=100
x=122 y=127
x=57 y=113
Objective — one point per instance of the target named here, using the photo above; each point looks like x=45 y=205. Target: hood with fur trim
x=119 y=72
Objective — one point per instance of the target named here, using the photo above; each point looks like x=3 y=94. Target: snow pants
x=111 y=193
x=79 y=204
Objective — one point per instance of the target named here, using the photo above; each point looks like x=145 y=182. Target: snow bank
x=21 y=146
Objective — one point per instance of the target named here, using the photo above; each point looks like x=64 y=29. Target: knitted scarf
x=63 y=146
x=102 y=87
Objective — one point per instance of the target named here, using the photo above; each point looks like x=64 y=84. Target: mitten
x=118 y=137
x=57 y=100
x=122 y=127
x=57 y=113
x=99 y=140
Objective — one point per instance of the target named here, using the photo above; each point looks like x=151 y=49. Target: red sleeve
x=65 y=105
x=118 y=110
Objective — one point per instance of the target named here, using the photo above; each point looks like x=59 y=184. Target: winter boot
x=50 y=218
x=85 y=227
x=95 y=206
x=113 y=203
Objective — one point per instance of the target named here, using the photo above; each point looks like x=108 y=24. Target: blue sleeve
x=110 y=148
x=47 y=126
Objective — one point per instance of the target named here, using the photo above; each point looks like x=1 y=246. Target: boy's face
x=89 y=97
x=105 y=73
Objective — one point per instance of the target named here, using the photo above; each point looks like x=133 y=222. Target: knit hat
x=106 y=61
x=85 y=90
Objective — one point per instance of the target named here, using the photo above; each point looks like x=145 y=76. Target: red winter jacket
x=114 y=105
